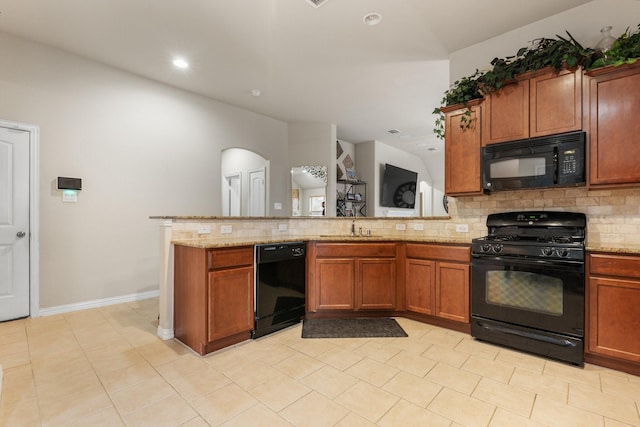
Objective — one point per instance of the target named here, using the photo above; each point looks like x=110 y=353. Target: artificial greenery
x=557 y=53
x=625 y=50
x=461 y=92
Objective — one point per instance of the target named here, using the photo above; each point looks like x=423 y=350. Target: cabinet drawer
x=229 y=257
x=441 y=252
x=356 y=250
x=615 y=265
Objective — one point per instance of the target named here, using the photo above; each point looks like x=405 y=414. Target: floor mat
x=352 y=328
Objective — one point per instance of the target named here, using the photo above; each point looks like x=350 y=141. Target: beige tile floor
x=106 y=367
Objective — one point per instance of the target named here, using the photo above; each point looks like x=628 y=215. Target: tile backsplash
x=613 y=217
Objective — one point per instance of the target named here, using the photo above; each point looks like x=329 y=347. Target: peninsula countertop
x=210 y=243
x=249 y=241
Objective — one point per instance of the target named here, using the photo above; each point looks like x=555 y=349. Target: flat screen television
x=399 y=187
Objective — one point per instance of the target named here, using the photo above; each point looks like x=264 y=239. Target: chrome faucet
x=353 y=227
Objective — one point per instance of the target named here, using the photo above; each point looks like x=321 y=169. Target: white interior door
x=257 y=192
x=231 y=195
x=14 y=223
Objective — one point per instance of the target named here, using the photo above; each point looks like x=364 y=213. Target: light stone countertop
x=209 y=243
x=618 y=248
x=284 y=218
x=249 y=241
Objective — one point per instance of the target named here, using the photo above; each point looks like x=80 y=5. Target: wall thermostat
x=69 y=183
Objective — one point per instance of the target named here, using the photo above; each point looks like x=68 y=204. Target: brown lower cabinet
x=213 y=288
x=613 y=317
x=426 y=282
x=352 y=276
x=213 y=296
x=437 y=281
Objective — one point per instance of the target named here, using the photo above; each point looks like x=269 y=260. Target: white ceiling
x=311 y=64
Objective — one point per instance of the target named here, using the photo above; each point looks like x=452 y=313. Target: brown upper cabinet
x=538 y=103
x=462 y=150
x=614 y=125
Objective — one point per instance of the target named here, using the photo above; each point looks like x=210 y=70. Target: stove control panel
x=488 y=249
x=558 y=252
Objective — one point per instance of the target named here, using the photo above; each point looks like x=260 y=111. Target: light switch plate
x=69 y=196
x=204 y=229
x=277 y=206
x=418 y=227
x=226 y=229
x=401 y=227
x=282 y=227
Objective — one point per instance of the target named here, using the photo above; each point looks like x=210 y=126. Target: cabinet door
x=230 y=302
x=506 y=114
x=614 y=108
x=555 y=102
x=614 y=323
x=376 y=284
x=452 y=291
x=420 y=285
x=462 y=153
x=335 y=282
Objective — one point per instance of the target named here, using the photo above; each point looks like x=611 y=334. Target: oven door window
x=539 y=294
x=526 y=291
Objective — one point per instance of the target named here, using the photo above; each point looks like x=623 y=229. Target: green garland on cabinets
x=558 y=53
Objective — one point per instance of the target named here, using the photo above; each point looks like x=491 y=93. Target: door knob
x=21 y=234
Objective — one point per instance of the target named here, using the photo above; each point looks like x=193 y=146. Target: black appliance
x=548 y=161
x=279 y=286
x=527 y=283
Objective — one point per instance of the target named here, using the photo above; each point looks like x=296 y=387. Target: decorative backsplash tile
x=613 y=217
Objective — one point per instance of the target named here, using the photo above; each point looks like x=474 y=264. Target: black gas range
x=527 y=283
x=542 y=235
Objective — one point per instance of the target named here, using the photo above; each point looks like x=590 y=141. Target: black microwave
x=543 y=162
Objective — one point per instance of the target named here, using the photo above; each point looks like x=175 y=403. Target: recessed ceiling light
x=180 y=63
x=256 y=92
x=394 y=131
x=372 y=18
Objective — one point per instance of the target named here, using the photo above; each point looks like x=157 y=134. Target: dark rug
x=351 y=328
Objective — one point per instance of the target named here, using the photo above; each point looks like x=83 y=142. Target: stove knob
x=547 y=251
x=485 y=248
x=497 y=248
x=563 y=253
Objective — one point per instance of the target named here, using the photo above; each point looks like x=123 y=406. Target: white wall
x=141 y=149
x=583 y=22
x=314 y=144
x=383 y=153
x=239 y=160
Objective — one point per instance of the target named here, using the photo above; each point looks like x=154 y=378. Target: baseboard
x=165 y=334
x=49 y=311
x=0 y=382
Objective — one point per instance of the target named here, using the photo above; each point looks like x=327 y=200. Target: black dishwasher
x=280 y=286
